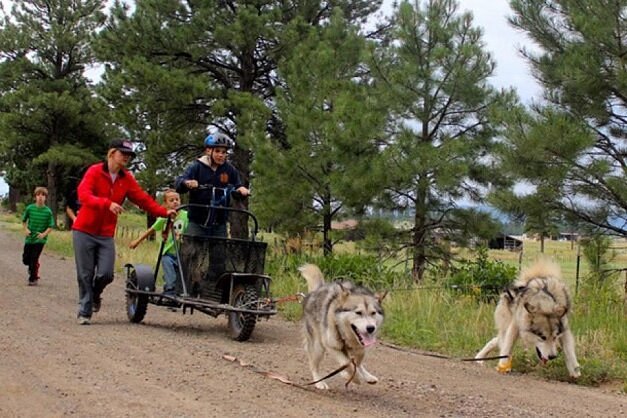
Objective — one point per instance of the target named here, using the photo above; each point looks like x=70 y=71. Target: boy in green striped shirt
x=37 y=221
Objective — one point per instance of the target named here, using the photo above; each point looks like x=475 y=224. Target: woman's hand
x=115 y=208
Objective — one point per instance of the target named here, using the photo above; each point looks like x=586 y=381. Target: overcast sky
x=501 y=39
x=504 y=42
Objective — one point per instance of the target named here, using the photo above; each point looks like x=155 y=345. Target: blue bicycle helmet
x=218 y=140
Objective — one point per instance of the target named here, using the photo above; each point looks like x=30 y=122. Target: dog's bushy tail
x=312 y=275
x=543 y=267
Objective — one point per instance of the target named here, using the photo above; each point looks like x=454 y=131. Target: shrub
x=597 y=252
x=377 y=236
x=481 y=278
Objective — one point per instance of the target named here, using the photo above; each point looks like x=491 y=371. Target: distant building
x=344 y=225
x=568 y=236
x=505 y=242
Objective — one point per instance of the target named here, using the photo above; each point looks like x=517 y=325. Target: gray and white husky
x=340 y=318
x=535 y=308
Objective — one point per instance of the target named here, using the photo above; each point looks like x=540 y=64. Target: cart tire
x=242 y=325
x=136 y=305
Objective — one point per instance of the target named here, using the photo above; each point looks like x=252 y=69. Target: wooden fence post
x=577 y=269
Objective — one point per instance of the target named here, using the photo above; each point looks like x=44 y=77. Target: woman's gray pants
x=95 y=258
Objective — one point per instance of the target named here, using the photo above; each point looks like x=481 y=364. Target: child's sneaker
x=83 y=320
x=32 y=282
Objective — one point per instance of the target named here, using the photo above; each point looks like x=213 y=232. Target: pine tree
x=581 y=65
x=440 y=133
x=331 y=118
x=216 y=60
x=534 y=148
x=50 y=122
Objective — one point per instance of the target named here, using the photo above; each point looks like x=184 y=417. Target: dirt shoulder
x=173 y=365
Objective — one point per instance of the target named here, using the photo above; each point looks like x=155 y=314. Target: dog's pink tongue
x=368 y=339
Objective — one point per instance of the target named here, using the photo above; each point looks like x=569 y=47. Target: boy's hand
x=26 y=232
x=243 y=191
x=41 y=235
x=191 y=184
x=172 y=214
x=133 y=244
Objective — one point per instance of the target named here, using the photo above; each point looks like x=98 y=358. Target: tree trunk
x=149 y=218
x=327 y=243
x=52 y=202
x=14 y=198
x=419 y=255
x=542 y=243
x=239 y=221
x=419 y=233
x=67 y=222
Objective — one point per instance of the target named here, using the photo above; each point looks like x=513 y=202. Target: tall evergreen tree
x=331 y=120
x=441 y=136
x=143 y=100
x=581 y=65
x=220 y=57
x=533 y=208
x=535 y=147
x=50 y=122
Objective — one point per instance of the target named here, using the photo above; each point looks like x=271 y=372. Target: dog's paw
x=322 y=386
x=504 y=366
x=575 y=374
x=368 y=378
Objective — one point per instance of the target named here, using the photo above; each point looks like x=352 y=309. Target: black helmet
x=218 y=140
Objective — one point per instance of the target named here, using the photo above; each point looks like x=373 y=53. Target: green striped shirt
x=38 y=219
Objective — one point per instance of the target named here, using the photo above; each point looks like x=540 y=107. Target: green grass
x=438 y=321
x=458 y=326
x=431 y=319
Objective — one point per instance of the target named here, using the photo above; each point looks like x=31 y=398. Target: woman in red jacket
x=101 y=193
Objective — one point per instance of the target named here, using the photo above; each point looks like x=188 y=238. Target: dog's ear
x=344 y=291
x=381 y=295
x=530 y=308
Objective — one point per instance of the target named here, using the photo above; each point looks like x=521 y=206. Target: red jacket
x=96 y=191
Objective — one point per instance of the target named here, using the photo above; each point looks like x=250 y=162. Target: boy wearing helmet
x=211 y=169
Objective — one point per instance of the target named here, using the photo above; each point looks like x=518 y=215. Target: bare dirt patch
x=173 y=365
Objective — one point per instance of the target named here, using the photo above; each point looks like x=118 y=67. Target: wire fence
x=568 y=255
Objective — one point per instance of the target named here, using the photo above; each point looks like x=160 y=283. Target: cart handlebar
x=225 y=208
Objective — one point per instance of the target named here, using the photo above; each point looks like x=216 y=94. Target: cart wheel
x=136 y=305
x=241 y=324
